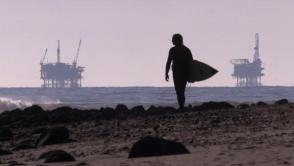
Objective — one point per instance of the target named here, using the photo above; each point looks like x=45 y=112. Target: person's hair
x=177 y=39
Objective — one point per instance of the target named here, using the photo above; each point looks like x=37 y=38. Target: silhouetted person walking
x=180 y=56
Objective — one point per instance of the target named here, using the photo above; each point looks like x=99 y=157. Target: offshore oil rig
x=248 y=74
x=61 y=75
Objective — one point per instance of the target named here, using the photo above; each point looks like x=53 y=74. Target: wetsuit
x=180 y=56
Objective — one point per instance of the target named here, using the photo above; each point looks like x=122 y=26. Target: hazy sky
x=126 y=42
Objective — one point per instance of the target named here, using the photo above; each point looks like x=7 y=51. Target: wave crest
x=9 y=104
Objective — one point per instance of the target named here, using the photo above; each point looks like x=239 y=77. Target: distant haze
x=126 y=42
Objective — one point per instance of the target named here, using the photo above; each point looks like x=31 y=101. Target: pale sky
x=126 y=42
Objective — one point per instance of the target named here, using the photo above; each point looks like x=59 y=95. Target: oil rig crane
x=77 y=54
x=44 y=56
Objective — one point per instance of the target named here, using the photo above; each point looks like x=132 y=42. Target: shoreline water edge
x=96 y=97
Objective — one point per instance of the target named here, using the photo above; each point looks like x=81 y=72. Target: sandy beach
x=257 y=134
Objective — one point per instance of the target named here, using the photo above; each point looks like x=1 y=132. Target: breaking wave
x=9 y=104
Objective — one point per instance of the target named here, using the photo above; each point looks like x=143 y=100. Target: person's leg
x=180 y=86
x=176 y=83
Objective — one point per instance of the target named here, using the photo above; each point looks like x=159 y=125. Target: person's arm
x=168 y=63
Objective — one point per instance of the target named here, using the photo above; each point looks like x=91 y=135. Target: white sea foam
x=44 y=100
x=9 y=104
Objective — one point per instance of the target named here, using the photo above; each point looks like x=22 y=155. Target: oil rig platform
x=248 y=74
x=61 y=75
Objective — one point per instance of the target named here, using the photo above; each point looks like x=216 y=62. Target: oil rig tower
x=248 y=74
x=61 y=75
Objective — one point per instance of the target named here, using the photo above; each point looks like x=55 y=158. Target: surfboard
x=199 y=71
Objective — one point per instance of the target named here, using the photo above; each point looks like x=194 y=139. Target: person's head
x=177 y=39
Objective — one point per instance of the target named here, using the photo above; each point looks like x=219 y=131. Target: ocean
x=96 y=97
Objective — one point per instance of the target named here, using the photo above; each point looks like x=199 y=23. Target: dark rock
x=152 y=108
x=160 y=109
x=39 y=130
x=138 y=108
x=59 y=118
x=26 y=144
x=62 y=109
x=36 y=119
x=34 y=108
x=215 y=105
x=168 y=109
x=64 y=115
x=56 y=156
x=61 y=115
x=152 y=146
x=108 y=113
x=53 y=136
x=196 y=108
x=243 y=106
x=4 y=152
x=23 y=147
x=14 y=112
x=262 y=104
x=5 y=134
x=281 y=102
x=121 y=107
x=30 y=116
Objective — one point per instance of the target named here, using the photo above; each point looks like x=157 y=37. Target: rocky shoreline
x=106 y=136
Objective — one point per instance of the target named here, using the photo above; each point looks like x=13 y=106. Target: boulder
x=4 y=152
x=25 y=144
x=53 y=136
x=196 y=108
x=56 y=156
x=32 y=116
x=243 y=106
x=169 y=109
x=23 y=147
x=121 y=107
x=39 y=130
x=215 y=105
x=61 y=115
x=62 y=109
x=107 y=113
x=59 y=118
x=34 y=108
x=5 y=134
x=281 y=102
x=138 y=108
x=261 y=104
x=153 y=146
x=152 y=108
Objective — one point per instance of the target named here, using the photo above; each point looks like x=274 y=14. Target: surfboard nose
x=199 y=71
